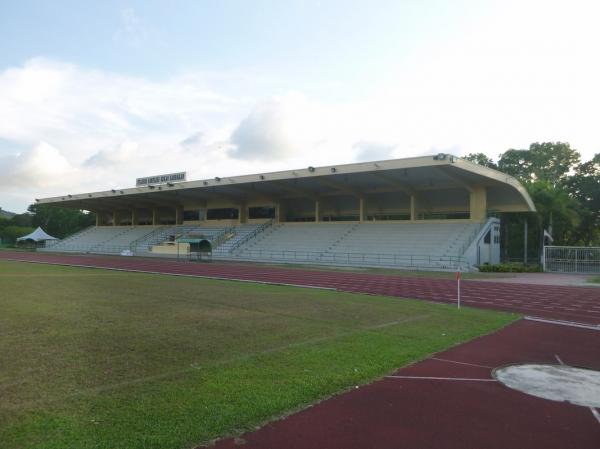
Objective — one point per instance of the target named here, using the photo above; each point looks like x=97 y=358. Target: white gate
x=571 y=259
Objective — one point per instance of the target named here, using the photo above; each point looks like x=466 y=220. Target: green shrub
x=509 y=268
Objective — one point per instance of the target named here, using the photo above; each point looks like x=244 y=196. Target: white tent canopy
x=37 y=236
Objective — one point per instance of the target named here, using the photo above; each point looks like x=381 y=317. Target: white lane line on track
x=592 y=409
x=441 y=378
x=461 y=363
x=563 y=323
x=595 y=413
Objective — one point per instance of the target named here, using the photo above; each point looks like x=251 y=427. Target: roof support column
x=413 y=207
x=154 y=216
x=279 y=212
x=243 y=213
x=318 y=211
x=361 y=209
x=178 y=215
x=478 y=204
x=133 y=217
x=114 y=217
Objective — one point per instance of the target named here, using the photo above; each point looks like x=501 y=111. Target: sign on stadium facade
x=160 y=179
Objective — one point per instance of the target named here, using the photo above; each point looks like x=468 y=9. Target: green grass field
x=594 y=280
x=103 y=359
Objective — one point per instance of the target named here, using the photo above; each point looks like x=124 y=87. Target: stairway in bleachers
x=421 y=245
x=238 y=234
x=166 y=233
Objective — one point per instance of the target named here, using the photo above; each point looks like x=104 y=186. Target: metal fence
x=87 y=249
x=571 y=259
x=416 y=261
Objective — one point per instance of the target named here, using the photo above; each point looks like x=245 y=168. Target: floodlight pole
x=525 y=232
x=458 y=288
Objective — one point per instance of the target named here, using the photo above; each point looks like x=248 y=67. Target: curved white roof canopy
x=410 y=175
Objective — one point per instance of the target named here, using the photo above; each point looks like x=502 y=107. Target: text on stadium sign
x=160 y=179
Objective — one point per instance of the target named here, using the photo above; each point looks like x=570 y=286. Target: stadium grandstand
x=432 y=212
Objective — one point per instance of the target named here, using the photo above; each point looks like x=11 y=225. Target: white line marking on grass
x=558 y=359
x=596 y=414
x=197 y=367
x=593 y=327
x=440 y=378
x=394 y=323
x=217 y=278
x=461 y=363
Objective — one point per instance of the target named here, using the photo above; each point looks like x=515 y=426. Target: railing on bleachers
x=416 y=261
x=407 y=245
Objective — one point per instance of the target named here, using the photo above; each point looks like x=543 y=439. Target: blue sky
x=95 y=94
x=308 y=44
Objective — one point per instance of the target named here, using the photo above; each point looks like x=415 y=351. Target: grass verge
x=394 y=271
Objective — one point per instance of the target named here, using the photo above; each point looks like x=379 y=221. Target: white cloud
x=193 y=141
x=49 y=98
x=109 y=158
x=279 y=129
x=108 y=127
x=40 y=167
x=263 y=134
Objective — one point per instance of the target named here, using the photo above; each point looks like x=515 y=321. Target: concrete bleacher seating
x=427 y=245
x=140 y=239
x=434 y=245
x=422 y=238
x=102 y=239
x=302 y=241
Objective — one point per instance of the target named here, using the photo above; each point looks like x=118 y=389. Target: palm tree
x=556 y=210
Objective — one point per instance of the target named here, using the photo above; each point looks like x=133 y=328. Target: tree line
x=57 y=221
x=564 y=189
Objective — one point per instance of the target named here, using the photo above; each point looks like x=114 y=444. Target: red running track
x=481 y=413
x=580 y=304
